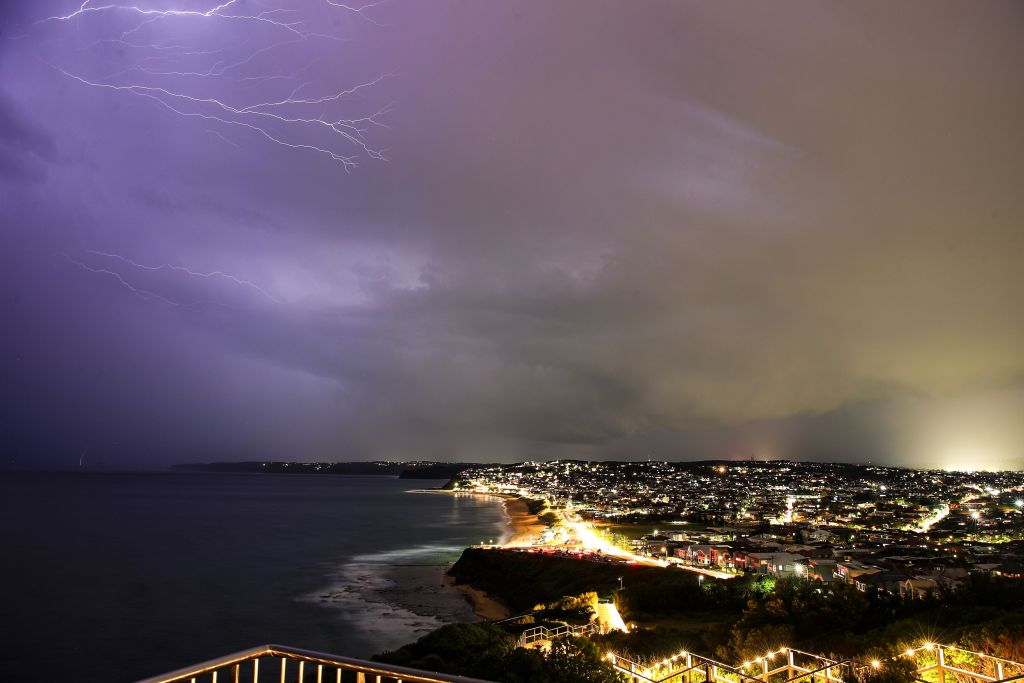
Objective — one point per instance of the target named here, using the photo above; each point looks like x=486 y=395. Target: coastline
x=524 y=527
x=484 y=606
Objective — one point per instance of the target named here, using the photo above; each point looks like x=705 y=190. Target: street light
x=620 y=583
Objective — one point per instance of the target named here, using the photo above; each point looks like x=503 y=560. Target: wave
x=393 y=597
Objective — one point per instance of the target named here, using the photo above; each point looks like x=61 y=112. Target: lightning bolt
x=152 y=15
x=149 y=295
x=177 y=76
x=224 y=139
x=188 y=271
x=143 y=294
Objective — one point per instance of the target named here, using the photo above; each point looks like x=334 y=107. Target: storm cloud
x=595 y=229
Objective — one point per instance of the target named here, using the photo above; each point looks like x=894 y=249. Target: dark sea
x=115 y=577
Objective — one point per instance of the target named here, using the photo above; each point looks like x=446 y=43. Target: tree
x=885 y=667
x=577 y=659
x=486 y=651
x=477 y=650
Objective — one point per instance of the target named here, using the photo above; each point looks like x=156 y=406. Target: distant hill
x=403 y=470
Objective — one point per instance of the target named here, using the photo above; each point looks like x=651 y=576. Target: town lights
x=1019 y=502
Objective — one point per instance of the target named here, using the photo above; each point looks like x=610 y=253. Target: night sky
x=611 y=230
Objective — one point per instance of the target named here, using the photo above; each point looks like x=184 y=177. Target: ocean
x=114 y=577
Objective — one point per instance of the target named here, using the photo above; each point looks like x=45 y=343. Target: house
x=880 y=582
x=787 y=565
x=1010 y=570
x=818 y=535
x=821 y=569
x=850 y=570
x=918 y=588
x=775 y=563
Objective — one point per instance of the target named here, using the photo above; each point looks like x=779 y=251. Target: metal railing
x=282 y=664
x=946 y=663
x=933 y=663
x=539 y=633
x=687 y=667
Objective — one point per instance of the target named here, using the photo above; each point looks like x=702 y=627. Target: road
x=591 y=541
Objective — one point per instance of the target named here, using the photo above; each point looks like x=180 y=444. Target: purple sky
x=598 y=229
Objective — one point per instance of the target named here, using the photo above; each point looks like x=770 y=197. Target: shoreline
x=524 y=527
x=484 y=606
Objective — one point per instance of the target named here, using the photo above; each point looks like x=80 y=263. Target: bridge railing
x=282 y=664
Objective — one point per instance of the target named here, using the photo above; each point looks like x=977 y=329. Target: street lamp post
x=620 y=583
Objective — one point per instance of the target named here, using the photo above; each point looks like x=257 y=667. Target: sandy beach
x=484 y=606
x=524 y=528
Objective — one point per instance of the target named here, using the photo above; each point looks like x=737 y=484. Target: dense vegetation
x=521 y=580
x=741 y=618
x=985 y=615
x=489 y=652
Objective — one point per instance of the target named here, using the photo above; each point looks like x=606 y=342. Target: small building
x=918 y=588
x=848 y=571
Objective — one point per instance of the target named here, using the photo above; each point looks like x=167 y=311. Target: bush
x=486 y=651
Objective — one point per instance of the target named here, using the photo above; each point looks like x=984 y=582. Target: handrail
x=538 y=633
x=212 y=666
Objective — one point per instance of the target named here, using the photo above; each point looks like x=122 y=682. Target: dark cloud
x=602 y=230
